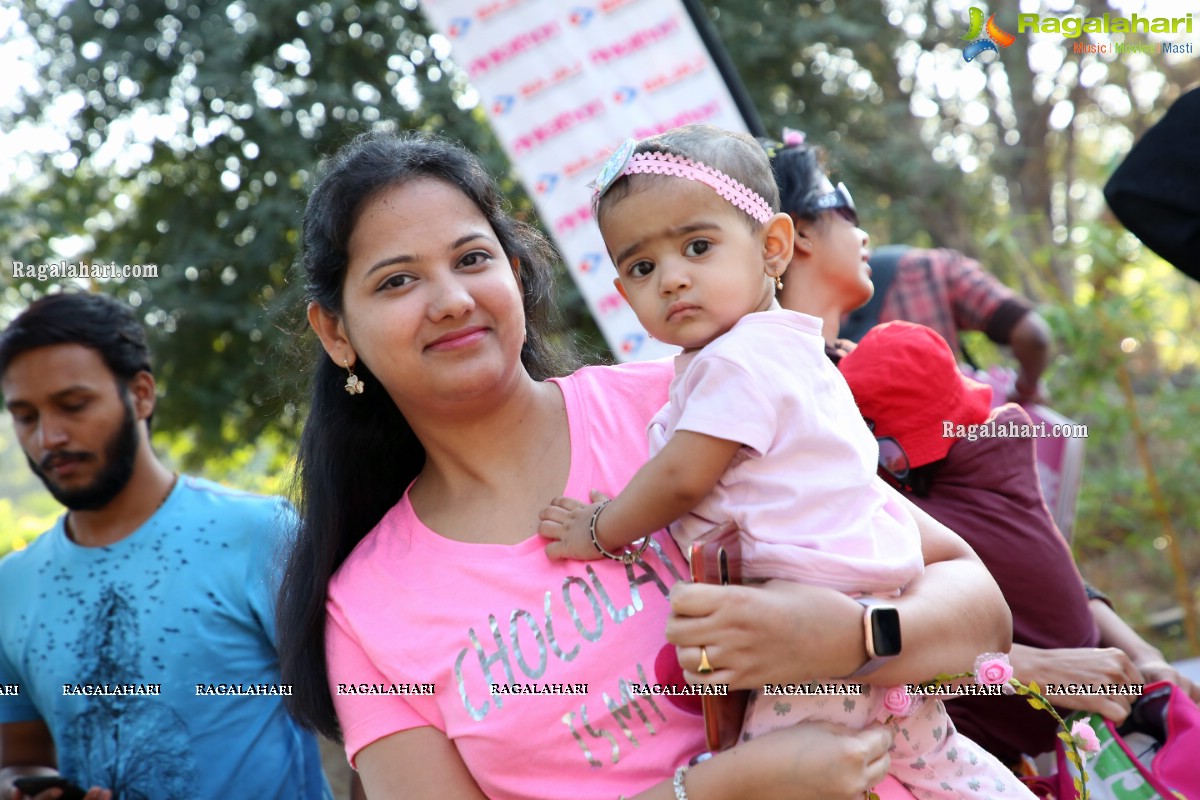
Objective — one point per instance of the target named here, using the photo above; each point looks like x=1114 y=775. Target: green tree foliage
x=26 y=509
x=830 y=70
x=198 y=127
x=1132 y=376
x=941 y=149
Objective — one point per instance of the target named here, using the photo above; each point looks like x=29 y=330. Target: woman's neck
x=467 y=438
x=813 y=298
x=502 y=463
x=831 y=323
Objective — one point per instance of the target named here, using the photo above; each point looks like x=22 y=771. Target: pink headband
x=623 y=162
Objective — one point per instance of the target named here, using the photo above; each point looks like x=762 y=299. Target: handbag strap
x=1118 y=760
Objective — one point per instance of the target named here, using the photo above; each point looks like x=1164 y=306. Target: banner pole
x=725 y=66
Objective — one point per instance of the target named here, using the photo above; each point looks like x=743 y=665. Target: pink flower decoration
x=898 y=702
x=992 y=669
x=792 y=137
x=1085 y=738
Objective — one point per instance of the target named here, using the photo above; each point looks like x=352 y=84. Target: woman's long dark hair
x=357 y=453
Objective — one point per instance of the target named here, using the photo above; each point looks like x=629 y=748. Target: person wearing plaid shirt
x=941 y=289
x=944 y=290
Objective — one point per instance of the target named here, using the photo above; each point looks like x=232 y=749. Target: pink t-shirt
x=803 y=488
x=409 y=607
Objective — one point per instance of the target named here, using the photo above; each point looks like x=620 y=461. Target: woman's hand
x=821 y=761
x=1083 y=666
x=809 y=761
x=1156 y=669
x=1116 y=632
x=780 y=632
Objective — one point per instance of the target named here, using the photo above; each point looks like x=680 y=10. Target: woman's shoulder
x=615 y=381
x=1011 y=412
x=1011 y=427
x=609 y=407
x=628 y=370
x=391 y=539
x=1002 y=447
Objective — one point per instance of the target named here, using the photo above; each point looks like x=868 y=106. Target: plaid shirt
x=946 y=291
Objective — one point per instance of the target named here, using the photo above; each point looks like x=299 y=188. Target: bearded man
x=137 y=636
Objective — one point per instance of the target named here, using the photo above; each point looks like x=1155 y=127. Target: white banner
x=564 y=84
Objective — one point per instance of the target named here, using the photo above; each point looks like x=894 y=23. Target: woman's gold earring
x=353 y=384
x=778 y=284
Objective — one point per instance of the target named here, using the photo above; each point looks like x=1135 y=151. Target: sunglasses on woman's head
x=892 y=458
x=838 y=200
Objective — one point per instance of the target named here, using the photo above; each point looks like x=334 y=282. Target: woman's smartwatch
x=881 y=625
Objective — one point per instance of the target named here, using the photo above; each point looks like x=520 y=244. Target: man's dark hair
x=96 y=321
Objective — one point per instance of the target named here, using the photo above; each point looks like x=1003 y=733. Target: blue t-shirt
x=152 y=660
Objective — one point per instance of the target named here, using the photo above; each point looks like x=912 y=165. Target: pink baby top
x=526 y=664
x=803 y=487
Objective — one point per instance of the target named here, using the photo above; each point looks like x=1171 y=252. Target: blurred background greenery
x=185 y=133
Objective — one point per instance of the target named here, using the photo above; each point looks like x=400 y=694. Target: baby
x=760 y=428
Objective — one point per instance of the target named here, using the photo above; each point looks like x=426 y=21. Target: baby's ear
x=778 y=237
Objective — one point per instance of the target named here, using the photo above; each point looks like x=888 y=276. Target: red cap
x=904 y=377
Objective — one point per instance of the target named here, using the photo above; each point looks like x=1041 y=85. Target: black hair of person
x=800 y=175
x=357 y=453
x=96 y=321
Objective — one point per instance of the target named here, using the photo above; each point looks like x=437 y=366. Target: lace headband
x=624 y=162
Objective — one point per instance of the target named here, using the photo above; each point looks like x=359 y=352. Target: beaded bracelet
x=677 y=784
x=626 y=558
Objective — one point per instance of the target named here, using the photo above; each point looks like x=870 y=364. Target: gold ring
x=705 y=668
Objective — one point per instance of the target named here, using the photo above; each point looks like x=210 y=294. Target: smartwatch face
x=885 y=632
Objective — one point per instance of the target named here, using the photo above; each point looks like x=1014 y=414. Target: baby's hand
x=567 y=522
